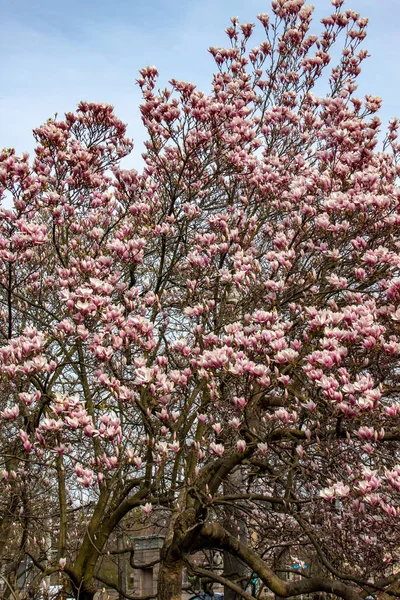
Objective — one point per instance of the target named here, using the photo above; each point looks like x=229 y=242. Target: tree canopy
x=216 y=338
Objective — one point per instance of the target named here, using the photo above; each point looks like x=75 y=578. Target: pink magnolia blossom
x=147 y=509
x=217 y=449
x=241 y=445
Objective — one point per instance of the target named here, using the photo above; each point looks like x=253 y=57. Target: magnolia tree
x=215 y=339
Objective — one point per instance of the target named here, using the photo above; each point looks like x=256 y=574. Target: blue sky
x=57 y=52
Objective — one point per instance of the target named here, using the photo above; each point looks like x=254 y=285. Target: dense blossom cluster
x=230 y=314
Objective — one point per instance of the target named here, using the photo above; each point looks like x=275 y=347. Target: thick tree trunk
x=170 y=581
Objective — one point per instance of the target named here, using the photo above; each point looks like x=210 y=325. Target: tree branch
x=205 y=573
x=213 y=535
